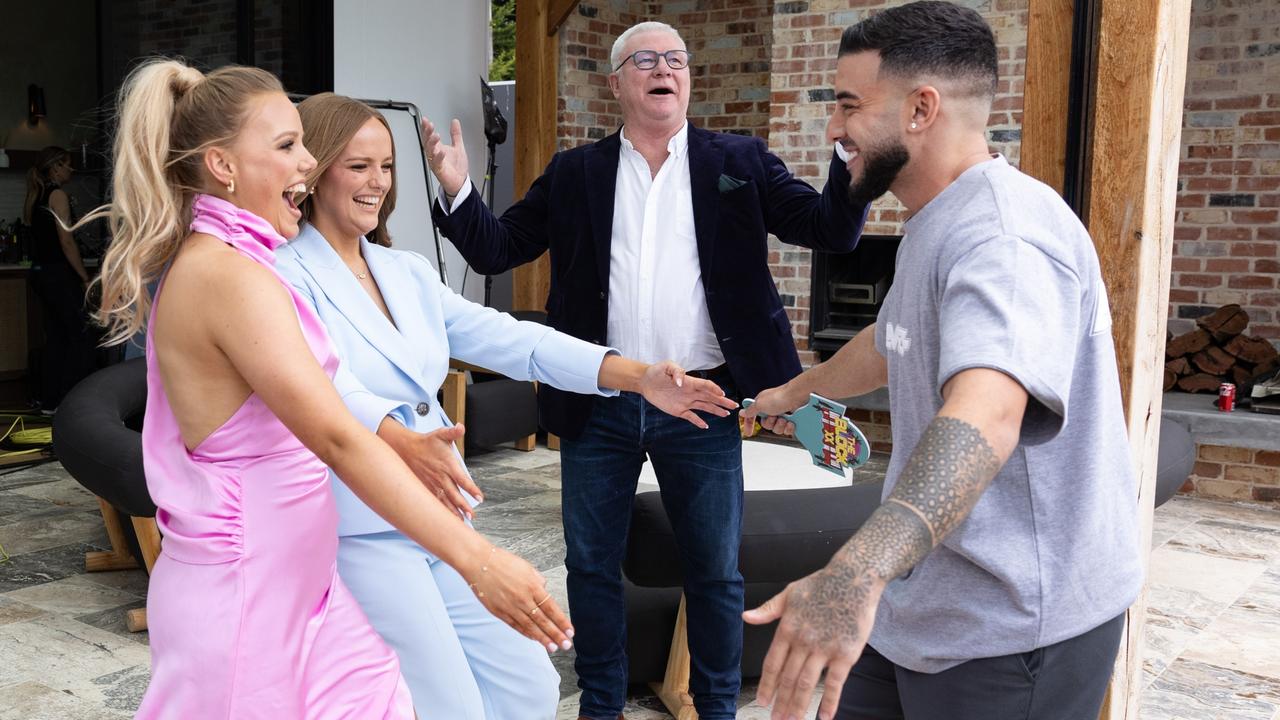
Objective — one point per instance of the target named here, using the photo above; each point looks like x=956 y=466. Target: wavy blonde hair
x=169 y=114
x=329 y=121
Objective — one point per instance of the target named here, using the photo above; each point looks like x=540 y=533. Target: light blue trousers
x=461 y=662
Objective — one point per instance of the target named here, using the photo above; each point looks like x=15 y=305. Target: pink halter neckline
x=235 y=225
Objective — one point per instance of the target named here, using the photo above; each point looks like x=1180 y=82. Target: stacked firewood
x=1218 y=351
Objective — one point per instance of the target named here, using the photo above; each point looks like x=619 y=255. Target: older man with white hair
x=659 y=247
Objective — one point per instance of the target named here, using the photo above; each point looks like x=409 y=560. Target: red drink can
x=1227 y=397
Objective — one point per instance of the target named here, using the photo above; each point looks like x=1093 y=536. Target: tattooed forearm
x=951 y=466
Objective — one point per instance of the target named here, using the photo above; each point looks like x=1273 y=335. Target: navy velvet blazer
x=741 y=193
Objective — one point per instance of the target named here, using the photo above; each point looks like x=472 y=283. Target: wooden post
x=1133 y=172
x=537 y=57
x=1047 y=87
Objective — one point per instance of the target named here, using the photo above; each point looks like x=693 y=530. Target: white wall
x=431 y=53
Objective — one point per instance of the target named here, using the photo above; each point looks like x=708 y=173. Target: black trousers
x=1064 y=681
x=69 y=342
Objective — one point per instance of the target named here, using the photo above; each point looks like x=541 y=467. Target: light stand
x=495 y=133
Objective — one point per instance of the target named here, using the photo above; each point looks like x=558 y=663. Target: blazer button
x=602 y=295
x=423 y=409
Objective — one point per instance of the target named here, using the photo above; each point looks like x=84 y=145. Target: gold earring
x=231 y=185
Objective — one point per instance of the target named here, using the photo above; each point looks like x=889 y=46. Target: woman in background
x=395 y=326
x=58 y=278
x=248 y=617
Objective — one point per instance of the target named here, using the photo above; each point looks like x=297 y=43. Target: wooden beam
x=557 y=13
x=149 y=540
x=118 y=557
x=1135 y=143
x=537 y=58
x=1047 y=88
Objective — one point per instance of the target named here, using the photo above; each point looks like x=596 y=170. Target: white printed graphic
x=897 y=339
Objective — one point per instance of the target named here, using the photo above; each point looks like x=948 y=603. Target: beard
x=880 y=167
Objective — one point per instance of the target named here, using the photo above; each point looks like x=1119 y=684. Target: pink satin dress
x=248 y=617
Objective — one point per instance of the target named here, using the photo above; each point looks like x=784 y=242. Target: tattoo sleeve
x=951 y=466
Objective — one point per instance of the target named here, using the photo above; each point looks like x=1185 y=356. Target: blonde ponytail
x=169 y=114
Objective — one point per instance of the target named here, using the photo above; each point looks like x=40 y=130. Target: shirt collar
x=677 y=145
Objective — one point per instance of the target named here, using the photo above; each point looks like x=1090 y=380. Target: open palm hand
x=667 y=388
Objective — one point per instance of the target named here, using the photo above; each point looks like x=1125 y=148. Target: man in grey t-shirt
x=992 y=580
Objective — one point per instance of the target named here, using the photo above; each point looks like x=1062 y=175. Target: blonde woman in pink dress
x=248 y=617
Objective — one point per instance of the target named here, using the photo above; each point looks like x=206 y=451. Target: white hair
x=615 y=55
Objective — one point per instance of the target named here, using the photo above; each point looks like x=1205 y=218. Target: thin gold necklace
x=359 y=275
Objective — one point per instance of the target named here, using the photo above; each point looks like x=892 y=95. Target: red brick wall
x=587 y=109
x=1227 y=230
x=730 y=41
x=1230 y=473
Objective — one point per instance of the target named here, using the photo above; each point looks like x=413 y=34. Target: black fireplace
x=848 y=290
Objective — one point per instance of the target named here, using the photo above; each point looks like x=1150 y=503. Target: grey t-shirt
x=996 y=272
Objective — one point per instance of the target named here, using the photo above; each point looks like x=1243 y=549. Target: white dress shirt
x=657 y=307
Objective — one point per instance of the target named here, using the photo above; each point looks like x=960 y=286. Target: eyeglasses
x=648 y=59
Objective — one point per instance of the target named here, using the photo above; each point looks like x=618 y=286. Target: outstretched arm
x=531 y=351
x=827 y=616
x=666 y=387
x=856 y=369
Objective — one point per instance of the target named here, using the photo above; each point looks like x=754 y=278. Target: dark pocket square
x=729 y=183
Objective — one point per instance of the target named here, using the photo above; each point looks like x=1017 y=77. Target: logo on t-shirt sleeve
x=897 y=339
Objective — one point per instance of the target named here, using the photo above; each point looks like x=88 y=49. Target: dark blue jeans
x=700 y=475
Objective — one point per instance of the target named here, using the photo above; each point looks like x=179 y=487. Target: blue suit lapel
x=402 y=292
x=343 y=291
x=601 y=179
x=706 y=162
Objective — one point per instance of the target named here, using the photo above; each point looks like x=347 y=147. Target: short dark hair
x=930 y=36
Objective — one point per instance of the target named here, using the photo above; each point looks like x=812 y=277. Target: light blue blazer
x=397 y=370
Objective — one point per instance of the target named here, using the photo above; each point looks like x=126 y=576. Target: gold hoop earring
x=231 y=186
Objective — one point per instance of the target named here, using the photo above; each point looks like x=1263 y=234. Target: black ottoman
x=97 y=437
x=786 y=534
x=499 y=410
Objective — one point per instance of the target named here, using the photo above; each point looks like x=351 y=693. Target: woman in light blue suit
x=395 y=326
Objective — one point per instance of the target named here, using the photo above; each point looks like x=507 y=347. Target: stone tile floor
x=1212 y=643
